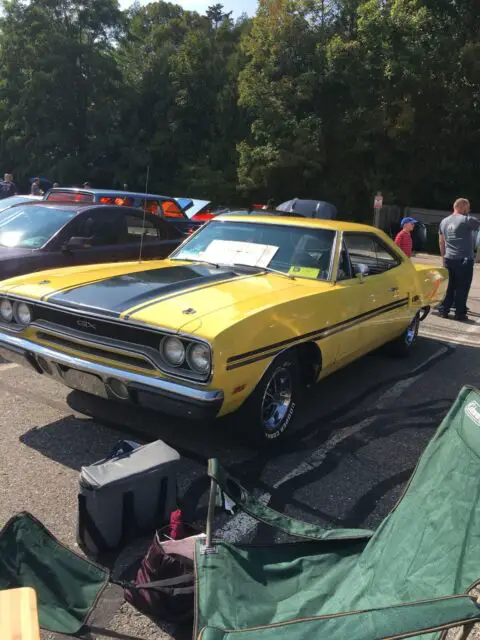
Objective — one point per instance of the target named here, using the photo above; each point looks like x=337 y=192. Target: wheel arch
x=309 y=357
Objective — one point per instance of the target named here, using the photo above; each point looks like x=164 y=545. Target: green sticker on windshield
x=304 y=272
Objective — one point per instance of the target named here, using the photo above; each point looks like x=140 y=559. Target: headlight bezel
x=190 y=358
x=12 y=307
x=16 y=313
x=163 y=344
x=184 y=368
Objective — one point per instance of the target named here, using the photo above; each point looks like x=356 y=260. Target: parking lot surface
x=359 y=437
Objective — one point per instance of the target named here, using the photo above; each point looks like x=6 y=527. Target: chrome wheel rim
x=277 y=399
x=412 y=332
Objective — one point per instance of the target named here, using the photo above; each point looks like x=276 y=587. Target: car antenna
x=144 y=213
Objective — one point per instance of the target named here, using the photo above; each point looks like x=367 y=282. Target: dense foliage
x=330 y=99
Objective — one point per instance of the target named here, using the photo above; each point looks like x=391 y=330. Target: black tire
x=260 y=424
x=402 y=346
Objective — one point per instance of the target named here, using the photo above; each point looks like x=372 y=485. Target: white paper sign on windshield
x=234 y=252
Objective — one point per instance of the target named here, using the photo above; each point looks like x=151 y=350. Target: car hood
x=168 y=294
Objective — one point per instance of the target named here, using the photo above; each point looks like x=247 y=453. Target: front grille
x=97 y=351
x=101 y=328
x=134 y=345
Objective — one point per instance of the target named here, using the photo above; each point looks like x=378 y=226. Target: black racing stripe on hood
x=118 y=294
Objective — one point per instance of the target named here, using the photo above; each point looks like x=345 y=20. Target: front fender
x=242 y=354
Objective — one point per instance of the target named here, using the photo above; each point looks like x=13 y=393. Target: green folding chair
x=409 y=578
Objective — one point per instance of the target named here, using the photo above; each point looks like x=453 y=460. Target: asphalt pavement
x=358 y=439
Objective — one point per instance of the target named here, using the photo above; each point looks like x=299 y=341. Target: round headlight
x=199 y=358
x=173 y=351
x=6 y=310
x=23 y=315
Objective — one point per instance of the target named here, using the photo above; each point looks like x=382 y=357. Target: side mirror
x=361 y=270
x=77 y=242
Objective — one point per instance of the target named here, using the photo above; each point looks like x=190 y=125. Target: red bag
x=164 y=584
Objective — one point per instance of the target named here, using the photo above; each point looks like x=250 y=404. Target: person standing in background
x=457 y=251
x=35 y=190
x=404 y=239
x=7 y=186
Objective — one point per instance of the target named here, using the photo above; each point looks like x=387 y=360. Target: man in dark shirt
x=457 y=251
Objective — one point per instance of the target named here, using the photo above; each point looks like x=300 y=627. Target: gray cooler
x=125 y=496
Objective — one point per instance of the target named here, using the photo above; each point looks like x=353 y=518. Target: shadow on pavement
x=355 y=479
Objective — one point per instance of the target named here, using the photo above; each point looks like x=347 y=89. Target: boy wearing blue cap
x=403 y=239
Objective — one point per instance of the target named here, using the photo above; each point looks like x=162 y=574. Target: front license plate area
x=82 y=381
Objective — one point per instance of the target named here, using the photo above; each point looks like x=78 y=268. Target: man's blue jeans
x=460 y=275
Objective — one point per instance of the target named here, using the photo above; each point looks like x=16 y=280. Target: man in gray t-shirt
x=457 y=250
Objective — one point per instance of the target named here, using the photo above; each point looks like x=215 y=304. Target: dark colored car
x=44 y=235
x=167 y=208
x=310 y=208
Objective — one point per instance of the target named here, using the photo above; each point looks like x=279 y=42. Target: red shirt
x=405 y=242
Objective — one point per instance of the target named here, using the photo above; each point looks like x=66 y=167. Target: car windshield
x=12 y=200
x=31 y=226
x=294 y=250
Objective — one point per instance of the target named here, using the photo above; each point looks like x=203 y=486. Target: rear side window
x=172 y=210
x=69 y=196
x=169 y=208
x=136 y=227
x=119 y=201
x=366 y=249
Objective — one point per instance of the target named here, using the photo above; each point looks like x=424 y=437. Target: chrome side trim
x=21 y=346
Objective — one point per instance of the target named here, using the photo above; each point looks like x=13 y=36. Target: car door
x=383 y=311
x=113 y=234
x=100 y=235
x=349 y=302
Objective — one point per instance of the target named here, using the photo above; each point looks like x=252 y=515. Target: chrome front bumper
x=101 y=380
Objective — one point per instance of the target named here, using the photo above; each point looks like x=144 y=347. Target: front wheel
x=403 y=345
x=269 y=411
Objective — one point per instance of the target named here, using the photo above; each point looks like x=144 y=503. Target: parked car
x=42 y=235
x=164 y=206
x=12 y=201
x=243 y=316
x=310 y=208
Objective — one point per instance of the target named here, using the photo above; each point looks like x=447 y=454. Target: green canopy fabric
x=427 y=549
x=67 y=585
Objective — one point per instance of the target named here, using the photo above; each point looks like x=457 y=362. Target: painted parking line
x=241 y=524
x=8 y=365
x=467 y=341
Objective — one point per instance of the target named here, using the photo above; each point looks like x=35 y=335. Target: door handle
x=393 y=289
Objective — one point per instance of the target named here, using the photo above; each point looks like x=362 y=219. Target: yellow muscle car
x=245 y=314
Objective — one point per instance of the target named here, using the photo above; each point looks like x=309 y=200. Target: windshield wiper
x=199 y=261
x=267 y=269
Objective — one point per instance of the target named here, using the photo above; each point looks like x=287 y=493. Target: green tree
x=59 y=87
x=284 y=153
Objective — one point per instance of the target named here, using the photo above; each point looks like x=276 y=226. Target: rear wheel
x=403 y=345
x=269 y=411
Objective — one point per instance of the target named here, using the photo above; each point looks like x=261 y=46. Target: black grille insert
x=98 y=327
x=97 y=351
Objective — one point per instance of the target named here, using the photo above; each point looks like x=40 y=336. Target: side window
x=103 y=227
x=136 y=227
x=365 y=249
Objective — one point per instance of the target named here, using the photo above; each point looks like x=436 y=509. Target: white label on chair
x=472 y=410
